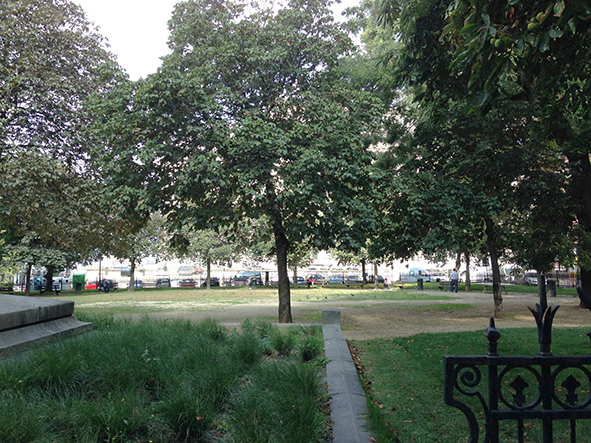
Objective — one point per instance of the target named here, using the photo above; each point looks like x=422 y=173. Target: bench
x=149 y=285
x=396 y=284
x=442 y=286
x=503 y=287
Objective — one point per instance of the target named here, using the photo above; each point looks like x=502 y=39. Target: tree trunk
x=49 y=278
x=375 y=276
x=494 y=262
x=28 y=279
x=580 y=164
x=282 y=247
x=468 y=286
x=131 y=287
x=208 y=274
x=363 y=273
x=585 y=276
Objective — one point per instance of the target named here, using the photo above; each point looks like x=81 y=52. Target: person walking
x=453 y=283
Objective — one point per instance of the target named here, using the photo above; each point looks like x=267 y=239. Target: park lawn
x=173 y=299
x=168 y=381
x=404 y=381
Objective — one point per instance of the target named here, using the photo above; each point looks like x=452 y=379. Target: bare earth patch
x=397 y=319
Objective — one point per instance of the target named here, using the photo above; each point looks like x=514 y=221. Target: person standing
x=453 y=283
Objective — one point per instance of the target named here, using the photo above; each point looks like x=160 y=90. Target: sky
x=137 y=30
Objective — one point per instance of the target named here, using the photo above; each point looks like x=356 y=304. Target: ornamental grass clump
x=283 y=341
x=159 y=381
x=310 y=347
x=280 y=403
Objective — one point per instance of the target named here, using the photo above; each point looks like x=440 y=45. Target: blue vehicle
x=335 y=280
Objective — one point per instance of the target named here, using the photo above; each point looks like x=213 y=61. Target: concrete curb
x=28 y=321
x=349 y=404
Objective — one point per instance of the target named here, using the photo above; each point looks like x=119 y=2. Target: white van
x=415 y=273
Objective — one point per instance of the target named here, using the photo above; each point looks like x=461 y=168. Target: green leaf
x=559 y=8
x=572 y=25
x=486 y=19
x=544 y=42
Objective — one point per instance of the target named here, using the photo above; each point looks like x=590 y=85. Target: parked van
x=415 y=273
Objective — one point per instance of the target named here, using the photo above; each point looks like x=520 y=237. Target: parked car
x=213 y=281
x=111 y=285
x=255 y=280
x=335 y=280
x=371 y=279
x=163 y=283
x=301 y=281
x=531 y=278
x=317 y=278
x=353 y=280
x=187 y=283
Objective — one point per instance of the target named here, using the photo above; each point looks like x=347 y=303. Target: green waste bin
x=551 y=288
x=420 y=284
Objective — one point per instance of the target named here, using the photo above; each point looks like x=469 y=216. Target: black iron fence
x=541 y=387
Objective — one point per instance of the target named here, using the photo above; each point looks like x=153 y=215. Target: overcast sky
x=137 y=30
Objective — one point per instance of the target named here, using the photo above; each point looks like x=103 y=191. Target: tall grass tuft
x=310 y=347
x=160 y=381
x=248 y=348
x=283 y=341
x=280 y=401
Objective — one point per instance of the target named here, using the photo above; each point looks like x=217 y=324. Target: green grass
x=169 y=300
x=167 y=381
x=405 y=383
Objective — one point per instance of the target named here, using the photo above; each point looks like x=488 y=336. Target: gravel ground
x=366 y=319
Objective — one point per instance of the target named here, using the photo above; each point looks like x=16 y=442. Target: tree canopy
x=248 y=119
x=51 y=60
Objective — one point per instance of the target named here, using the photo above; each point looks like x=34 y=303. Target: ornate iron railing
x=540 y=387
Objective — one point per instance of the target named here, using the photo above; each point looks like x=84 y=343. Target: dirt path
x=365 y=319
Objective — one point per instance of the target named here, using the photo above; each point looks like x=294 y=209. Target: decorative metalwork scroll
x=539 y=387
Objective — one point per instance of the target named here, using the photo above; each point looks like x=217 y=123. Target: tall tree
x=248 y=119
x=536 y=52
x=51 y=59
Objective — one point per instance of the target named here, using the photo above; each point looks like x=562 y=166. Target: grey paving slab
x=17 y=311
x=17 y=340
x=348 y=405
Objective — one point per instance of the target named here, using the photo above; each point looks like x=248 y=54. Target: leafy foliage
x=247 y=119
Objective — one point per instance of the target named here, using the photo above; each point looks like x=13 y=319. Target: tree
x=247 y=119
x=208 y=246
x=460 y=182
x=51 y=59
x=513 y=156
x=535 y=52
x=133 y=242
